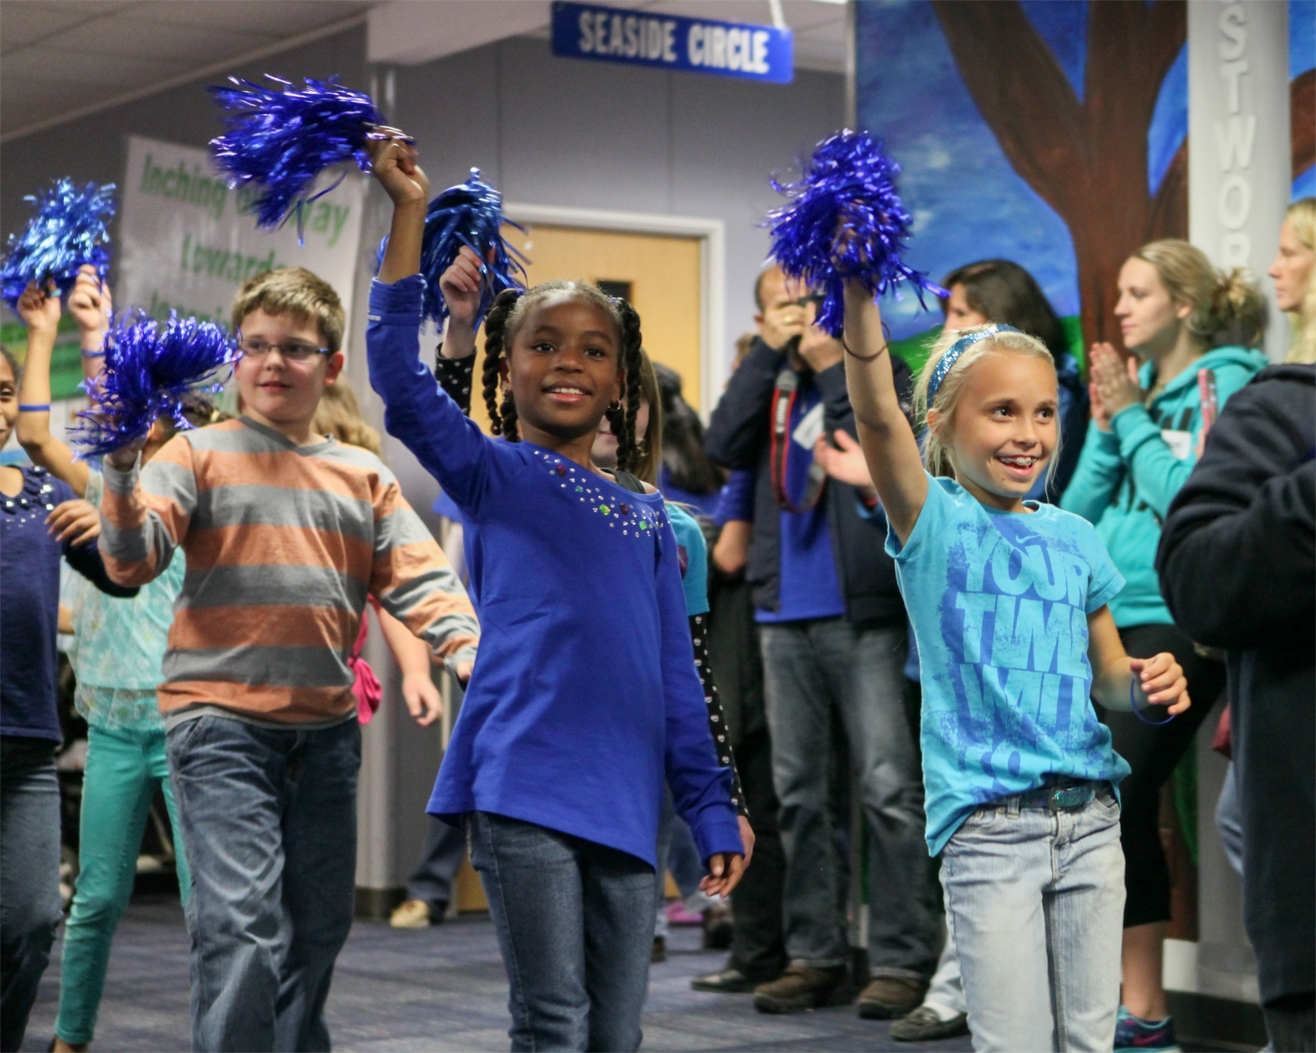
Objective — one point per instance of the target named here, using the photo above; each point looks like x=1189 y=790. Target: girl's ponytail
x=622 y=420
x=502 y=417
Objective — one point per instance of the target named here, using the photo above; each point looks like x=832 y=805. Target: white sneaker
x=413 y=914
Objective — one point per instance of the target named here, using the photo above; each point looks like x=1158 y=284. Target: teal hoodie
x=1126 y=477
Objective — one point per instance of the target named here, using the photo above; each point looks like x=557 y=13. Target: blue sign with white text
x=693 y=45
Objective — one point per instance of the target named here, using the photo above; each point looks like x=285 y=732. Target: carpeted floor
x=436 y=989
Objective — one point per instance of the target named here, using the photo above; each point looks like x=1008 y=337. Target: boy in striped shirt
x=285 y=532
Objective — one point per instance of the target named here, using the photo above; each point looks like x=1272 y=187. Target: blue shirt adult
x=584 y=693
x=999 y=602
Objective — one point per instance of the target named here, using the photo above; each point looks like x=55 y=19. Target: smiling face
x=277 y=391
x=1149 y=318
x=959 y=315
x=1292 y=269
x=8 y=400
x=563 y=367
x=1003 y=428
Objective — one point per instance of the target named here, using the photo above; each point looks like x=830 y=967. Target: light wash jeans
x=813 y=669
x=269 y=820
x=575 y=926
x=123 y=769
x=1035 y=902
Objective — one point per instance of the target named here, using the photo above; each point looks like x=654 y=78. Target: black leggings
x=1153 y=753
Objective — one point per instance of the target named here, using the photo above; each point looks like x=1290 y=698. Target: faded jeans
x=813 y=669
x=269 y=820
x=574 y=921
x=30 y=907
x=1035 y=904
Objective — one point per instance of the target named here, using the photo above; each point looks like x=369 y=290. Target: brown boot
x=800 y=988
x=889 y=997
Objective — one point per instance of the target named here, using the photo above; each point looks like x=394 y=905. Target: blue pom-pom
x=470 y=214
x=279 y=141
x=845 y=220
x=151 y=369
x=67 y=231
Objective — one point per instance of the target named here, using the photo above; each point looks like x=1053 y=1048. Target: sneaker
x=729 y=981
x=924 y=1025
x=413 y=914
x=659 y=952
x=718 y=927
x=678 y=915
x=801 y=987
x=1145 y=1036
x=889 y=997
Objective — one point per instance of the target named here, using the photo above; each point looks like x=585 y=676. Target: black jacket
x=739 y=437
x=1237 y=569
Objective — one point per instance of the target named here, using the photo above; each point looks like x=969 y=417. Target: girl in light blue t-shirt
x=1008 y=601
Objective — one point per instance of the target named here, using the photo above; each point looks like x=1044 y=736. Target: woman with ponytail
x=1193 y=333
x=585 y=694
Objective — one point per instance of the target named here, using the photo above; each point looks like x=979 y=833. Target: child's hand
x=725 y=871
x=39 y=308
x=1162 y=681
x=394 y=163
x=462 y=286
x=463 y=669
x=90 y=302
x=746 y=837
x=123 y=459
x=76 y=522
x=422 y=698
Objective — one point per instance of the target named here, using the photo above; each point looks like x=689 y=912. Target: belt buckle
x=1067 y=798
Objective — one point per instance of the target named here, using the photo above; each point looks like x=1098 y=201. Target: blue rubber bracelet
x=43 y=407
x=1133 y=703
x=93 y=354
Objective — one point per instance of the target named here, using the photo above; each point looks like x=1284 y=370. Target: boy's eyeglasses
x=294 y=352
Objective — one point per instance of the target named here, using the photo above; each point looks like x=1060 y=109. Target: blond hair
x=1302 y=322
x=293 y=291
x=339 y=415
x=1225 y=308
x=939 y=438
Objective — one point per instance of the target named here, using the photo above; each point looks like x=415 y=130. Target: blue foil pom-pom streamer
x=67 y=231
x=470 y=214
x=151 y=368
x=845 y=220
x=280 y=140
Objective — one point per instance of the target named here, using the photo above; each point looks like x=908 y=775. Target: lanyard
x=783 y=403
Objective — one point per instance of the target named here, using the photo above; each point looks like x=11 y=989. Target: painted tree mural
x=1087 y=159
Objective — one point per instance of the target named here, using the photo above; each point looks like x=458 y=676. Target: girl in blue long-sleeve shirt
x=585 y=694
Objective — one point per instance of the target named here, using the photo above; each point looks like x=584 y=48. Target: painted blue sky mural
x=967 y=202
x=1302 y=57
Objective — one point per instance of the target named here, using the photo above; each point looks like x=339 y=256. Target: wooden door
x=661 y=273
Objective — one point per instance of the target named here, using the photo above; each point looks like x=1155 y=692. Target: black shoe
x=729 y=981
x=718 y=928
x=659 y=952
x=800 y=988
x=923 y=1025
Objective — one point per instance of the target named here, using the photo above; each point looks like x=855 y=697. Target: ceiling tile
x=101 y=70
x=131 y=37
x=274 y=18
x=22 y=24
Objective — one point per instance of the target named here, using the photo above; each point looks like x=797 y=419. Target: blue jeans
x=269 y=819
x=123 y=769
x=1035 y=904
x=812 y=670
x=575 y=926
x=30 y=908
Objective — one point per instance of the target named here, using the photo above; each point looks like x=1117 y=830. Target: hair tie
x=948 y=360
x=35 y=407
x=1133 y=704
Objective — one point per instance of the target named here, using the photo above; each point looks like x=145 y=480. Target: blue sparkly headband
x=957 y=349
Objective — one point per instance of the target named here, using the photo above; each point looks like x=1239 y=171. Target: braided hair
x=510 y=310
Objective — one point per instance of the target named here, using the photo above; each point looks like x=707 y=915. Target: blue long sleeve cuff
x=398 y=302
